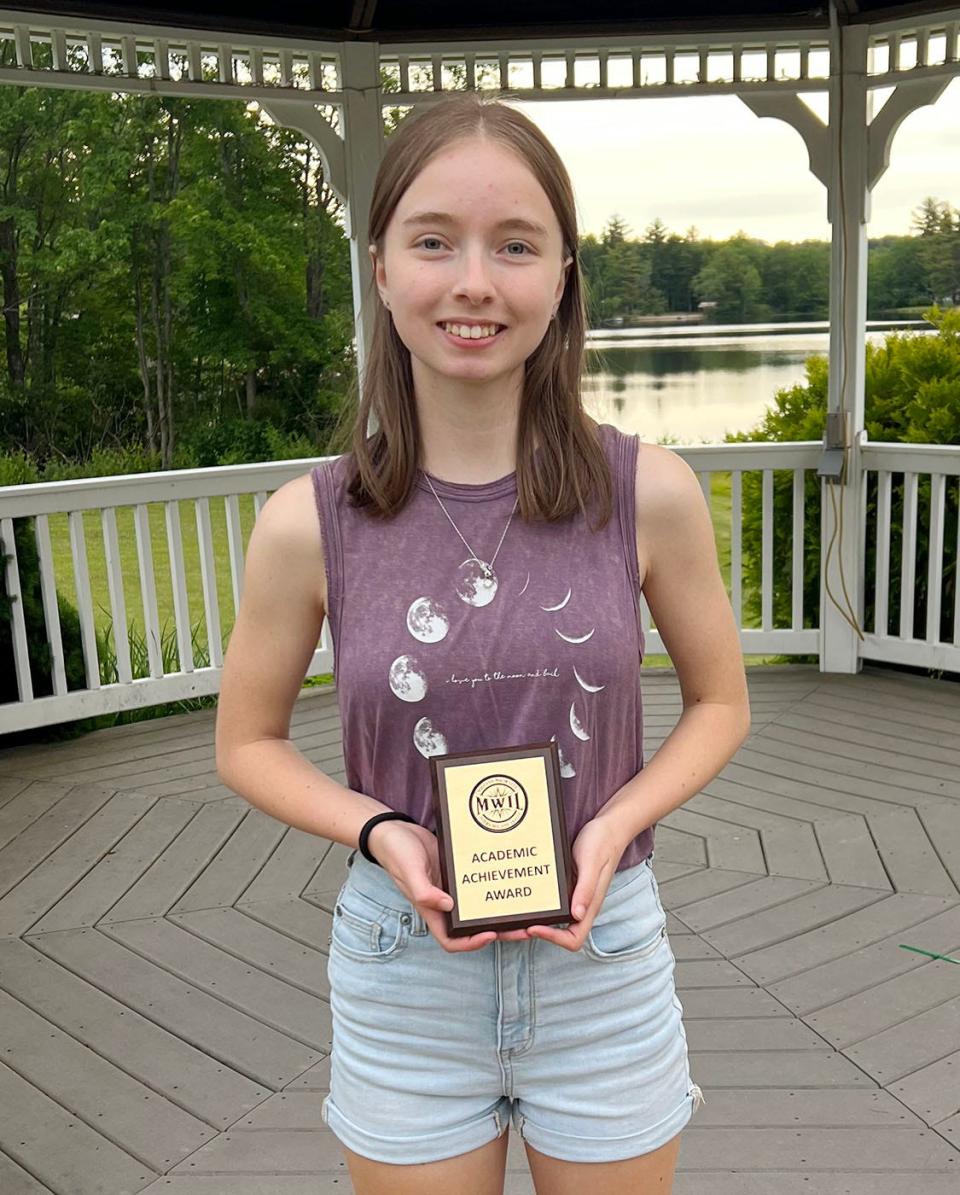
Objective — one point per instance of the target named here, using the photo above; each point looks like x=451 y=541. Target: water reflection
x=696 y=390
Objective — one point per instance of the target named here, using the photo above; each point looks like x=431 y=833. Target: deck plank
x=263 y=1053
x=110 y=1025
x=160 y=937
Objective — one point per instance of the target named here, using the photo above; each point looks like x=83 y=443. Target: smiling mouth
x=472 y=331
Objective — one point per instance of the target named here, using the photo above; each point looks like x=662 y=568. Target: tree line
x=176 y=292
x=746 y=280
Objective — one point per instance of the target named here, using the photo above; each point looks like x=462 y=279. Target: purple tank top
x=426 y=662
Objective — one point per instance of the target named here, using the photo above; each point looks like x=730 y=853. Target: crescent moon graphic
x=525 y=584
x=567 y=770
x=583 y=684
x=560 y=605
x=573 y=639
x=575 y=725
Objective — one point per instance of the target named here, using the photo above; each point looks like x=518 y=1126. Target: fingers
x=436 y=923
x=570 y=939
x=433 y=898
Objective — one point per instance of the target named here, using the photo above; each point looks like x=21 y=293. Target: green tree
x=730 y=278
x=913 y=396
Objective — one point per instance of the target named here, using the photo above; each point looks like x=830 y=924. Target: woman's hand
x=410 y=853
x=596 y=851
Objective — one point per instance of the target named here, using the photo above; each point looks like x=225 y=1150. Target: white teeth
x=471 y=332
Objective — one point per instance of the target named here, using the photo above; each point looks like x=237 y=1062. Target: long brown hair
x=570 y=471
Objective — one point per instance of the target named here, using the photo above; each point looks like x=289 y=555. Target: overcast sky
x=709 y=161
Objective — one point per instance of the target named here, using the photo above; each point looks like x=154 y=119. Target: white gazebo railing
x=335 y=89
x=213 y=501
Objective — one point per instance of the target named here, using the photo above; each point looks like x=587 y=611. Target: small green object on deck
x=929 y=954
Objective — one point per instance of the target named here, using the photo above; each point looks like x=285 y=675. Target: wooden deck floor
x=164 y=1022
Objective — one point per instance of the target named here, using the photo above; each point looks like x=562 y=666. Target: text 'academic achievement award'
x=504 y=853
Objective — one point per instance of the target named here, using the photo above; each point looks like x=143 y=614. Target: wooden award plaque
x=504 y=852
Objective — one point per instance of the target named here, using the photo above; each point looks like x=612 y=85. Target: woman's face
x=472 y=266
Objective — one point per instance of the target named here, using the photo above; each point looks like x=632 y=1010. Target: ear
x=379 y=273
x=561 y=285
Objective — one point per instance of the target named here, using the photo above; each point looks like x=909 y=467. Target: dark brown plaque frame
x=458 y=926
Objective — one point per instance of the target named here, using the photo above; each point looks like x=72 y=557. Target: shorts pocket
x=628 y=929
x=366 y=930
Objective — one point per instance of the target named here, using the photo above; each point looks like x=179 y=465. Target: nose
x=474 y=283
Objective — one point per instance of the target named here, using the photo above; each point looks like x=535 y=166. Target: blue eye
x=425 y=242
x=436 y=240
x=517 y=245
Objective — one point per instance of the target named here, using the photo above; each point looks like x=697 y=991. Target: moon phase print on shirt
x=583 y=684
x=576 y=725
x=428 y=740
x=476 y=582
x=559 y=605
x=567 y=770
x=575 y=639
x=407 y=679
x=427 y=620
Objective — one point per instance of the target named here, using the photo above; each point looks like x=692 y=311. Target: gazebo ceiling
x=431 y=20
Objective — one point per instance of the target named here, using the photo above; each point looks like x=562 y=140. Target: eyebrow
x=513 y=223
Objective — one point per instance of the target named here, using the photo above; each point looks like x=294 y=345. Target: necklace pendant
x=476 y=582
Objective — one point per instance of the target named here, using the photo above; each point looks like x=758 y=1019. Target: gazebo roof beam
x=390 y=23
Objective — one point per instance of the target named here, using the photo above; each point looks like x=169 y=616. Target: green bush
x=912 y=396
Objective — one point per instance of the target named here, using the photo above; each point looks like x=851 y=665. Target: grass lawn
x=59 y=535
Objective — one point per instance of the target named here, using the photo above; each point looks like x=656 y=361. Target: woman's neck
x=468 y=436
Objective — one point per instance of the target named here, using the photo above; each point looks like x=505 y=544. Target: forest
x=176 y=286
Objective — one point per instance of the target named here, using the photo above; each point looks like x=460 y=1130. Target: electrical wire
x=839 y=89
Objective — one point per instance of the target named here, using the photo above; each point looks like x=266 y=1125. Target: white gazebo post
x=351 y=156
x=848 y=209
x=362 y=117
x=848 y=155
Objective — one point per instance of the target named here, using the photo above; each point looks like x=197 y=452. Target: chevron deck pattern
x=164 y=1015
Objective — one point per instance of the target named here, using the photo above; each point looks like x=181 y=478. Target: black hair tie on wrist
x=389 y=815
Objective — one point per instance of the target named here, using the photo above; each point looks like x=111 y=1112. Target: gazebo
x=162 y=938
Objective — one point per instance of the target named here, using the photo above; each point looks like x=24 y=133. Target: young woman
x=480 y=557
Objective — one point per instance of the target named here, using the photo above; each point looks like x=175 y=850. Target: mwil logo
x=498 y=804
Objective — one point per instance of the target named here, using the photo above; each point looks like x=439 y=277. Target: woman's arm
x=680 y=578
x=276 y=633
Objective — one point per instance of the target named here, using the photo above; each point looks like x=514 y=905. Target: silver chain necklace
x=476 y=581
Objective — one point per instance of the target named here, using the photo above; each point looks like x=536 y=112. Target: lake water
x=696 y=383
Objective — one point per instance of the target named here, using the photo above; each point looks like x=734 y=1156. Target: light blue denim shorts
x=434 y=1053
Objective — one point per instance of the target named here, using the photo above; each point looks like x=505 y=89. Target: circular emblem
x=498 y=803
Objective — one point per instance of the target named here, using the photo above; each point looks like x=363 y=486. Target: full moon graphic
x=407 y=679
x=476 y=582
x=428 y=740
x=427 y=620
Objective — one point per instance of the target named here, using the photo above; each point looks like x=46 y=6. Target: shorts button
x=405 y=919
x=339 y=911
